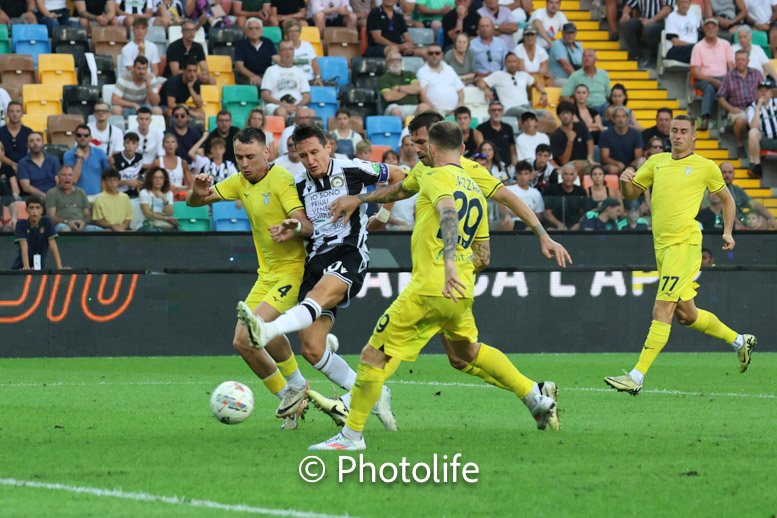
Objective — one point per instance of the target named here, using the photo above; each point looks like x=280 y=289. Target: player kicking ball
x=446 y=251
x=679 y=180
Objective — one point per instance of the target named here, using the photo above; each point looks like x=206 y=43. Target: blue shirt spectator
x=42 y=177
x=92 y=167
x=37 y=238
x=561 y=50
x=255 y=53
x=15 y=146
x=488 y=57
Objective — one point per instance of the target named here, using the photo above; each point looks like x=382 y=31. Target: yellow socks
x=657 y=338
x=709 y=324
x=275 y=382
x=364 y=394
x=391 y=368
x=289 y=366
x=496 y=365
x=474 y=371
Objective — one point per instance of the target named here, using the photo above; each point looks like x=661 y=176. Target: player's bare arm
x=298 y=225
x=729 y=215
x=629 y=190
x=449 y=228
x=345 y=206
x=481 y=254
x=201 y=192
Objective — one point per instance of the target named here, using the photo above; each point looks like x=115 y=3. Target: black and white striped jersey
x=768 y=115
x=343 y=178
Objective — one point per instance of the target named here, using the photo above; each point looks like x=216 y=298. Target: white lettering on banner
x=639 y=279
x=608 y=280
x=515 y=280
x=380 y=280
x=560 y=290
x=481 y=285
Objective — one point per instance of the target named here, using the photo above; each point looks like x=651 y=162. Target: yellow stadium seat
x=42 y=99
x=312 y=35
x=220 y=67
x=554 y=94
x=211 y=104
x=57 y=69
x=36 y=122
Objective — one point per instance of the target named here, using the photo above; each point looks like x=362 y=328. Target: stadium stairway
x=646 y=94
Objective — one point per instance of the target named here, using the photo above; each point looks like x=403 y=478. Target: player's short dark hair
x=144 y=109
x=461 y=110
x=143 y=60
x=684 y=117
x=111 y=172
x=664 y=110
x=523 y=165
x=565 y=106
x=218 y=141
x=424 y=120
x=543 y=148
x=446 y=135
x=131 y=136
x=34 y=199
x=306 y=131
x=248 y=135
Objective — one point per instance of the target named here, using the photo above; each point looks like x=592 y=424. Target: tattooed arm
x=346 y=205
x=481 y=254
x=449 y=228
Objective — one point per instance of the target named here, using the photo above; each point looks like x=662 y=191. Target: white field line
x=176 y=500
x=392 y=382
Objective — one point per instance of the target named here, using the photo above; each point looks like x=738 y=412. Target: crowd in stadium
x=140 y=95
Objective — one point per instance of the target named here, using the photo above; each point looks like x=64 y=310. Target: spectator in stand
x=105 y=135
x=527 y=142
x=603 y=218
x=362 y=10
x=257 y=119
x=586 y=114
x=762 y=115
x=208 y=13
x=633 y=221
x=682 y=32
x=35 y=236
x=67 y=205
x=621 y=145
x=408 y=158
x=521 y=9
x=139 y=46
x=548 y=21
x=387 y=27
x=737 y=92
x=344 y=130
x=9 y=183
x=284 y=87
x=134 y=89
x=511 y=86
x=37 y=171
x=707 y=259
x=178 y=171
x=596 y=79
x=461 y=20
x=758 y=58
x=742 y=201
x=505 y=24
x=461 y=58
x=283 y=10
x=498 y=134
x=129 y=165
x=492 y=160
x=291 y=161
x=489 y=51
x=471 y=137
x=364 y=150
x=88 y=162
x=533 y=59
x=571 y=143
x=51 y=13
x=331 y=13
x=156 y=202
x=99 y=12
x=620 y=97
x=598 y=190
x=184 y=135
x=14 y=135
x=112 y=208
x=399 y=88
x=184 y=50
x=654 y=146
x=243 y=10
x=647 y=28
x=304 y=53
x=127 y=11
x=660 y=130
x=711 y=59
x=303 y=116
x=528 y=194
x=150 y=143
x=429 y=13
x=181 y=88
x=254 y=53
x=566 y=55
x=440 y=85
x=755 y=221
x=762 y=16
x=225 y=131
x=565 y=202
x=543 y=173
x=217 y=166
x=5 y=99
x=728 y=13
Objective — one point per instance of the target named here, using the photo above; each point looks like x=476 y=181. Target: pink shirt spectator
x=712 y=60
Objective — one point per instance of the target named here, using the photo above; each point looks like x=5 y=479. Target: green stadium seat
x=191 y=219
x=239 y=100
x=273 y=33
x=5 y=43
x=761 y=39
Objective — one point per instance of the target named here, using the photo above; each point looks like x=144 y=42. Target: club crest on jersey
x=688 y=171
x=266 y=197
x=337 y=182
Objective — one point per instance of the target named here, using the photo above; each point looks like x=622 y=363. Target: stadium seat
x=422 y=37
x=342 y=42
x=222 y=40
x=57 y=69
x=384 y=131
x=440 y=37
x=228 y=218
x=274 y=125
x=554 y=95
x=106 y=71
x=220 y=67
x=107 y=93
x=21 y=210
x=5 y=43
x=360 y=101
x=157 y=121
x=412 y=63
x=80 y=100
x=475 y=100
x=58 y=150
x=311 y=35
x=191 y=219
x=367 y=71
x=17 y=70
x=510 y=121
x=668 y=65
x=108 y=41
x=32 y=40
x=323 y=100
x=211 y=104
x=42 y=100
x=274 y=34
x=335 y=67
x=62 y=129
x=70 y=40
x=36 y=122
x=240 y=99
x=376 y=155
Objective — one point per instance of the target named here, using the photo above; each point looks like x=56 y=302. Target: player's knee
x=312 y=352
x=240 y=343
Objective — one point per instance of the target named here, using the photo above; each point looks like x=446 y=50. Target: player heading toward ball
x=679 y=180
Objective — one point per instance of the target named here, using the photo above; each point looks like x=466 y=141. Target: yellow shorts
x=412 y=320
x=678 y=266
x=278 y=289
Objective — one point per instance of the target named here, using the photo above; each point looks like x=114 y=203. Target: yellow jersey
x=486 y=182
x=678 y=188
x=426 y=244
x=268 y=202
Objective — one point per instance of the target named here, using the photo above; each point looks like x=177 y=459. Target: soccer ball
x=332 y=343
x=232 y=402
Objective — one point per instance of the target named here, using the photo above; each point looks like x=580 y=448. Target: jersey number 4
x=468 y=229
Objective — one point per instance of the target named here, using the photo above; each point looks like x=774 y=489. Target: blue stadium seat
x=384 y=131
x=440 y=37
x=228 y=218
x=323 y=99
x=334 y=67
x=32 y=40
x=422 y=37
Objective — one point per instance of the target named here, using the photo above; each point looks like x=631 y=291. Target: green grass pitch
x=135 y=437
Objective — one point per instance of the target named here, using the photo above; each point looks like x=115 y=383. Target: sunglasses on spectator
x=479 y=155
x=657 y=146
x=82 y=135
x=101 y=111
x=179 y=116
x=434 y=53
x=488 y=55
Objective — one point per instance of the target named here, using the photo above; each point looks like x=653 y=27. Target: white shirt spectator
x=526 y=145
x=518 y=13
x=757 y=57
x=290 y=166
x=685 y=27
x=315 y=6
x=155 y=204
x=404 y=211
x=511 y=93
x=55 y=5
x=110 y=140
x=130 y=51
x=283 y=81
x=150 y=146
x=540 y=55
x=4 y=100
x=303 y=58
x=760 y=10
x=552 y=25
x=443 y=86
x=285 y=136
x=530 y=197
